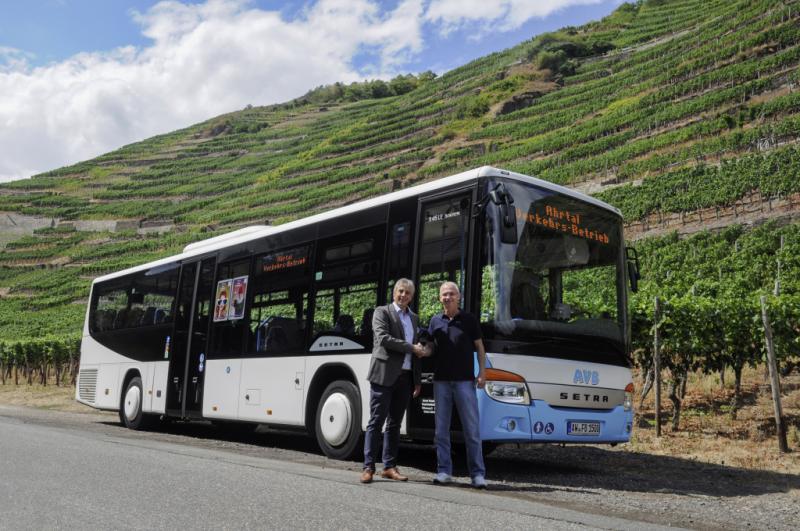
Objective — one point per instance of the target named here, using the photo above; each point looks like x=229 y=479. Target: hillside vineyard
x=682 y=113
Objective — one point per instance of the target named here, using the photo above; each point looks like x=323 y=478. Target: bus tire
x=338 y=420
x=130 y=411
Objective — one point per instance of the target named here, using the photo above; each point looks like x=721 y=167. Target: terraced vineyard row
x=668 y=107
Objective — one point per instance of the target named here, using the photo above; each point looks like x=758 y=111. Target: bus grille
x=87 y=385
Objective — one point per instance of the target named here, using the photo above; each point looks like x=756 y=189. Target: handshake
x=424 y=348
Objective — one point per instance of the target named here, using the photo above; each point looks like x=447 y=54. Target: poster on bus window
x=222 y=300
x=239 y=295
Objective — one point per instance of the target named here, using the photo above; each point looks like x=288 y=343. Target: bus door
x=189 y=339
x=443 y=247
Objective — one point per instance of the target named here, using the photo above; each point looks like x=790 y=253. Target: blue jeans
x=462 y=394
x=386 y=404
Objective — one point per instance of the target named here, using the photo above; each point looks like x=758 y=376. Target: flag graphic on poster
x=222 y=300
x=239 y=291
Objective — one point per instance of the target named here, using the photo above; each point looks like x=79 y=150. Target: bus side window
x=443 y=251
x=348 y=269
x=277 y=315
x=277 y=324
x=129 y=314
x=344 y=302
x=108 y=302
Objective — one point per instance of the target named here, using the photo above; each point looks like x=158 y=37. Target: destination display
x=284 y=260
x=563 y=220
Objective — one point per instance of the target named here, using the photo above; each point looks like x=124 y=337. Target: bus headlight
x=628 y=403
x=507 y=387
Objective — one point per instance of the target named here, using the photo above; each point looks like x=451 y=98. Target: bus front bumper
x=539 y=422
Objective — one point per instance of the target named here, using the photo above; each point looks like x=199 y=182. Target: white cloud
x=13 y=59
x=214 y=57
x=500 y=15
x=205 y=59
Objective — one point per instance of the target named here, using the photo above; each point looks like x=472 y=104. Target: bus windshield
x=559 y=289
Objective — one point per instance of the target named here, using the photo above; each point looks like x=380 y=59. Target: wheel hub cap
x=132 y=400
x=336 y=419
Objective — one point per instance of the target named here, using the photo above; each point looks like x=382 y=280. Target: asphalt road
x=83 y=470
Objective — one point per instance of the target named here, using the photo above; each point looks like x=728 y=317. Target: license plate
x=583 y=428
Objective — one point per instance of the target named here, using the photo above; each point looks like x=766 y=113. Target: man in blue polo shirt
x=457 y=335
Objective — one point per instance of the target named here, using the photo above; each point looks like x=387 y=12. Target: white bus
x=272 y=324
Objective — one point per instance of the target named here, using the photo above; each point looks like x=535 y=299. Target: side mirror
x=508 y=214
x=508 y=227
x=633 y=276
x=632 y=259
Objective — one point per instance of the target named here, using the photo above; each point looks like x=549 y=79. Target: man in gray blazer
x=393 y=369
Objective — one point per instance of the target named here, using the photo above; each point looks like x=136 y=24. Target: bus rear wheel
x=130 y=411
x=338 y=420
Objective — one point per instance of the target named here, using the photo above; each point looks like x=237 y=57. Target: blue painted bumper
x=539 y=422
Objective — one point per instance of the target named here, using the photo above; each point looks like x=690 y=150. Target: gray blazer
x=390 y=347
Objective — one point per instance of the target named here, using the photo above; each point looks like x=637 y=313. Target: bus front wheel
x=130 y=411
x=338 y=420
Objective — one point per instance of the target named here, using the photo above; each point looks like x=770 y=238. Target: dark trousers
x=386 y=403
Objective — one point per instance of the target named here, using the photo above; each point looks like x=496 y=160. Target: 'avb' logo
x=586 y=377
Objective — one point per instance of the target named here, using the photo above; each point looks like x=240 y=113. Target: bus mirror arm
x=508 y=214
x=495 y=195
x=478 y=207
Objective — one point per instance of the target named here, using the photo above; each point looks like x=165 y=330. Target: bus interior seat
x=105 y=319
x=345 y=325
x=149 y=316
x=134 y=317
x=276 y=332
x=121 y=319
x=276 y=338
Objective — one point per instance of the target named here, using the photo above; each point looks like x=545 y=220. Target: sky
x=79 y=78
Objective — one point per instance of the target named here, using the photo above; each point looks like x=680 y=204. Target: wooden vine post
x=774 y=381
x=657 y=367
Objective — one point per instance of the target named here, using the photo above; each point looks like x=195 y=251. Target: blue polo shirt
x=455 y=338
